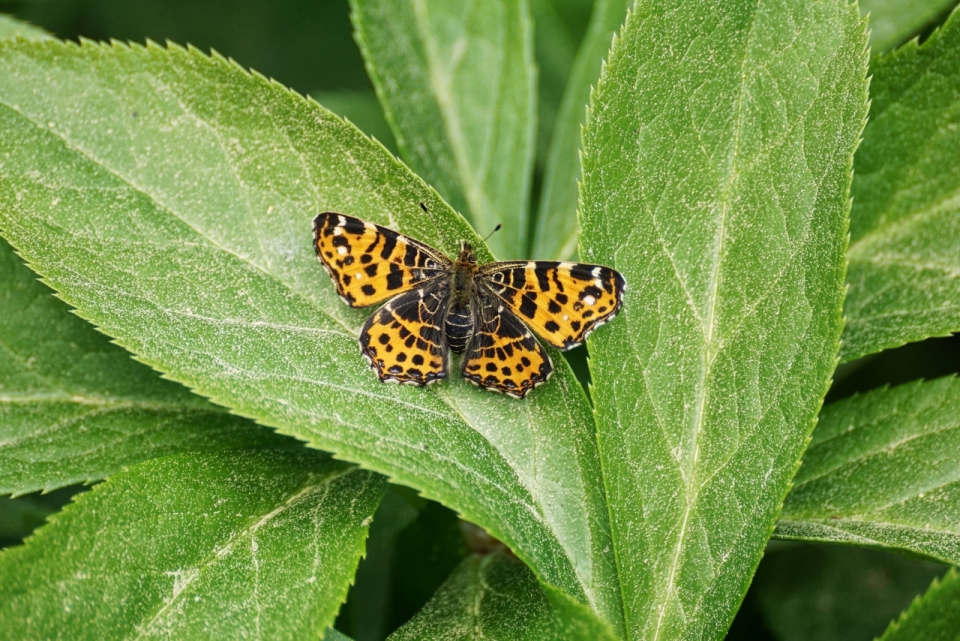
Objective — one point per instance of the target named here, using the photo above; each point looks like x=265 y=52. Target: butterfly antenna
x=433 y=220
x=495 y=230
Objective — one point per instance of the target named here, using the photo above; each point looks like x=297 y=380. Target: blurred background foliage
x=800 y=591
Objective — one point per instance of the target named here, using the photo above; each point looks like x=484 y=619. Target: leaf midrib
x=224 y=550
x=835 y=523
x=872 y=452
x=709 y=353
x=900 y=226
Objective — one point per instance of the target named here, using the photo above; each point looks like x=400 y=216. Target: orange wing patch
x=369 y=263
x=562 y=302
x=504 y=356
x=403 y=340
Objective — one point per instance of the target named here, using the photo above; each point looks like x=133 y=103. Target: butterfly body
x=439 y=306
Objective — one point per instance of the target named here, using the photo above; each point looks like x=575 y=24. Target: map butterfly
x=436 y=306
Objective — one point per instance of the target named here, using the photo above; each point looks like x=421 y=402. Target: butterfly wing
x=404 y=340
x=563 y=302
x=503 y=355
x=369 y=263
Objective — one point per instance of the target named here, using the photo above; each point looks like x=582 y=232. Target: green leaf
x=11 y=27
x=717 y=157
x=496 y=597
x=204 y=545
x=893 y=22
x=933 y=617
x=836 y=593
x=556 y=232
x=75 y=408
x=168 y=196
x=905 y=228
x=458 y=86
x=882 y=471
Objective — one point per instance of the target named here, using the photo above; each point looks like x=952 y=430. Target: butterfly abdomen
x=459 y=328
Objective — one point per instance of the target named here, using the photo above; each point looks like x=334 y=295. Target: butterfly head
x=466 y=254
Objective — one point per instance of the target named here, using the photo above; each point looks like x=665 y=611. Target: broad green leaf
x=168 y=196
x=556 y=231
x=893 y=22
x=882 y=471
x=836 y=593
x=496 y=597
x=11 y=27
x=362 y=109
x=221 y=545
x=335 y=635
x=458 y=86
x=716 y=166
x=75 y=408
x=933 y=617
x=905 y=228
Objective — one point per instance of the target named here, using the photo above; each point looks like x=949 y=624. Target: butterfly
x=435 y=306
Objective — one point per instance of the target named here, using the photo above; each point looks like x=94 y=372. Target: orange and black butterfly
x=437 y=306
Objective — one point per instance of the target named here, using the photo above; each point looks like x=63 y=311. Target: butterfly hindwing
x=562 y=302
x=369 y=263
x=503 y=355
x=404 y=339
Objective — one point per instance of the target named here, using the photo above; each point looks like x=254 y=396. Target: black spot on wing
x=596 y=292
x=353 y=226
x=581 y=271
x=528 y=305
x=394 y=278
x=410 y=256
x=389 y=243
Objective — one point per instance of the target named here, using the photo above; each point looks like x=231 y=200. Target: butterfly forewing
x=369 y=263
x=562 y=302
x=404 y=340
x=504 y=356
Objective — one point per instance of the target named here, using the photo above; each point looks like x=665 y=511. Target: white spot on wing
x=589 y=300
x=341 y=250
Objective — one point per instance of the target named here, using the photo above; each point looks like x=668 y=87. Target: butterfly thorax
x=460 y=323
